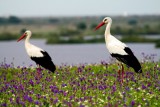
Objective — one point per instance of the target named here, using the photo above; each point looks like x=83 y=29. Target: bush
x=14 y=20
x=136 y=39
x=8 y=36
x=53 y=38
x=81 y=26
x=158 y=43
x=68 y=32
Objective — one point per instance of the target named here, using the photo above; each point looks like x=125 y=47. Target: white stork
x=118 y=49
x=37 y=54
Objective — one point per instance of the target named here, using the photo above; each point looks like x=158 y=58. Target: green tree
x=53 y=20
x=118 y=30
x=81 y=26
x=14 y=20
x=93 y=26
x=3 y=20
x=132 y=22
x=23 y=30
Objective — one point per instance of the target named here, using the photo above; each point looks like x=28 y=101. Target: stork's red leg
x=122 y=73
x=119 y=73
x=38 y=71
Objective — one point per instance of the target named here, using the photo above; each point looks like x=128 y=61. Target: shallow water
x=11 y=51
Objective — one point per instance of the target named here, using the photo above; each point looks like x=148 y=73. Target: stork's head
x=106 y=20
x=26 y=33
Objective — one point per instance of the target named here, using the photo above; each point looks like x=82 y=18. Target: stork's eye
x=105 y=19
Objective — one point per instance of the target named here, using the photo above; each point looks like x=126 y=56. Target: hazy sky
x=78 y=7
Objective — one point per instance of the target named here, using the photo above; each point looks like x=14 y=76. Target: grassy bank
x=58 y=38
x=63 y=30
x=83 y=85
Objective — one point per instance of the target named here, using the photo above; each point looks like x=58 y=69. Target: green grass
x=92 y=85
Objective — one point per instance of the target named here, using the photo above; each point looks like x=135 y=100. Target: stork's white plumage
x=37 y=54
x=118 y=49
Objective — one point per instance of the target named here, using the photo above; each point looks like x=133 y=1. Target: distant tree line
x=76 y=29
x=10 y=20
x=136 y=30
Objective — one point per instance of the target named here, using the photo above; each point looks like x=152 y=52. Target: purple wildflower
x=81 y=105
x=39 y=70
x=31 y=82
x=80 y=69
x=21 y=87
x=18 y=66
x=104 y=63
x=44 y=97
x=81 y=79
x=10 y=99
x=18 y=100
x=48 y=79
x=38 y=96
x=22 y=103
x=149 y=84
x=55 y=101
x=109 y=98
x=65 y=93
x=25 y=97
x=101 y=87
x=132 y=102
x=51 y=99
x=15 y=86
x=63 y=85
x=30 y=99
x=89 y=68
x=143 y=86
x=114 y=88
x=4 y=105
x=36 y=102
x=127 y=89
x=71 y=97
x=55 y=90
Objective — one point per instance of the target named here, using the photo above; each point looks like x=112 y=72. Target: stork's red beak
x=101 y=24
x=24 y=35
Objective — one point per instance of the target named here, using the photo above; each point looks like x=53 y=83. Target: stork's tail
x=138 y=68
x=51 y=67
x=139 y=71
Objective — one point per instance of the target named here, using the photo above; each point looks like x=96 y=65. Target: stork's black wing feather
x=128 y=51
x=129 y=59
x=46 y=55
x=45 y=61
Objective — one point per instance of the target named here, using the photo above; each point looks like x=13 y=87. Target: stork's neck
x=27 y=39
x=107 y=31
